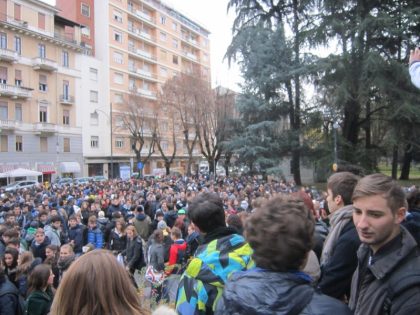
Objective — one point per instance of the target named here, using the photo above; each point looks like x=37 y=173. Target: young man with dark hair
x=339 y=254
x=223 y=252
x=53 y=230
x=387 y=278
x=281 y=234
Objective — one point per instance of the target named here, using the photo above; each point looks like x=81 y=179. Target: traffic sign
x=140 y=165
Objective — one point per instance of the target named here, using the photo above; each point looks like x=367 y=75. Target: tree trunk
x=408 y=157
x=167 y=167
x=210 y=160
x=189 y=163
x=394 y=162
x=295 y=167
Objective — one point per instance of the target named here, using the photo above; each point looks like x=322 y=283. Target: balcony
x=7 y=124
x=143 y=73
x=143 y=92
x=140 y=33
x=189 y=40
x=190 y=55
x=44 y=128
x=7 y=55
x=142 y=53
x=45 y=64
x=14 y=91
x=142 y=15
x=66 y=99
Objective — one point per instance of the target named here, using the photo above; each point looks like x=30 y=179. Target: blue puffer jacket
x=261 y=292
x=95 y=237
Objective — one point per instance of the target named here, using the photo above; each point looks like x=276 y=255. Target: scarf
x=65 y=262
x=338 y=221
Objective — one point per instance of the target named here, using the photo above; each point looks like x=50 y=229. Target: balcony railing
x=66 y=99
x=7 y=124
x=8 y=55
x=140 y=33
x=142 y=15
x=14 y=91
x=190 y=55
x=45 y=127
x=142 y=92
x=142 y=53
x=45 y=64
x=143 y=73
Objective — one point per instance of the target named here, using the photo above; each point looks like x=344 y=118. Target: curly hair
x=281 y=233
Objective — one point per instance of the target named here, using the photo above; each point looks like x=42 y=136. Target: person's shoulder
x=324 y=304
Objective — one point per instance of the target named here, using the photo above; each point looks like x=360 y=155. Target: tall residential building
x=38 y=73
x=141 y=44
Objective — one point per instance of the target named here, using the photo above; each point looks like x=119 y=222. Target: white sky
x=212 y=15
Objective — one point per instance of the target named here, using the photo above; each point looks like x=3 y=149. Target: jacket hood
x=266 y=292
x=215 y=261
x=141 y=217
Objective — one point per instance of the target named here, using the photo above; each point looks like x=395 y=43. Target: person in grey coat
x=155 y=253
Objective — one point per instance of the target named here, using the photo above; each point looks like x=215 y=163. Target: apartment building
x=142 y=43
x=38 y=73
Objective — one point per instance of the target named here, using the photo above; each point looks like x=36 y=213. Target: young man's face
x=56 y=224
x=39 y=237
x=72 y=223
x=375 y=222
x=11 y=219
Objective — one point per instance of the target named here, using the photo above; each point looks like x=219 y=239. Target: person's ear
x=338 y=200
x=400 y=215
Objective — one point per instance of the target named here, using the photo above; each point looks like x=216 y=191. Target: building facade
x=142 y=44
x=38 y=74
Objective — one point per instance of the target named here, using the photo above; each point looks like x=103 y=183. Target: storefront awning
x=69 y=167
x=46 y=168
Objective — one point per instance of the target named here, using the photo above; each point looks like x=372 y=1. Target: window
x=205 y=57
x=43 y=113
x=42 y=53
x=163 y=72
x=18 y=45
x=118 y=78
x=65 y=59
x=17 y=12
x=163 y=36
x=66 y=117
x=175 y=59
x=119 y=142
x=3 y=75
x=43 y=144
x=118 y=16
x=18 y=112
x=18 y=77
x=66 y=90
x=41 y=21
x=163 y=54
x=162 y=19
x=118 y=57
x=43 y=83
x=66 y=144
x=86 y=31
x=164 y=145
x=118 y=98
x=94 y=142
x=94 y=96
x=3 y=40
x=94 y=121
x=174 y=26
x=4 y=111
x=4 y=145
x=175 y=43
x=85 y=9
x=93 y=74
x=118 y=36
x=19 y=145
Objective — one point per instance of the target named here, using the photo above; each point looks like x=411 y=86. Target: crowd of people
x=225 y=246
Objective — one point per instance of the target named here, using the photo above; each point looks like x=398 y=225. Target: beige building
x=37 y=89
x=144 y=43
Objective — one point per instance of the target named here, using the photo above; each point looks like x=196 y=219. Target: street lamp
x=335 y=127
x=109 y=116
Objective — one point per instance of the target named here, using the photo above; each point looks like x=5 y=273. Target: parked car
x=82 y=180
x=63 y=182
x=21 y=184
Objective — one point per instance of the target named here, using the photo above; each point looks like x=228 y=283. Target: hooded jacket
x=202 y=283
x=263 y=292
x=39 y=303
x=143 y=224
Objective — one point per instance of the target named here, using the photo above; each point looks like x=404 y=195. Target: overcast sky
x=212 y=15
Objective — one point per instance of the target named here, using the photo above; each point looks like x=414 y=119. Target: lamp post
x=109 y=116
x=335 y=127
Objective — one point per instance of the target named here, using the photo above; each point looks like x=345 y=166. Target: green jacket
x=39 y=302
x=202 y=283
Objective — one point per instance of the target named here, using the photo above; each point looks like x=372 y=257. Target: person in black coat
x=39 y=244
x=134 y=250
x=277 y=285
x=76 y=232
x=9 y=295
x=118 y=240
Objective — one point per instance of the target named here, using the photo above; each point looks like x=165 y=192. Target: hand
x=414 y=56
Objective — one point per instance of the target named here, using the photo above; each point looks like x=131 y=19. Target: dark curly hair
x=281 y=233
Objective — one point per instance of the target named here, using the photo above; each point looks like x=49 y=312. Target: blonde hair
x=99 y=285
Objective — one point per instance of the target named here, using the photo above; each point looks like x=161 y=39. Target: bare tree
x=139 y=121
x=179 y=93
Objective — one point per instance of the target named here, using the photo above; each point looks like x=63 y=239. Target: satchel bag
x=151 y=275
